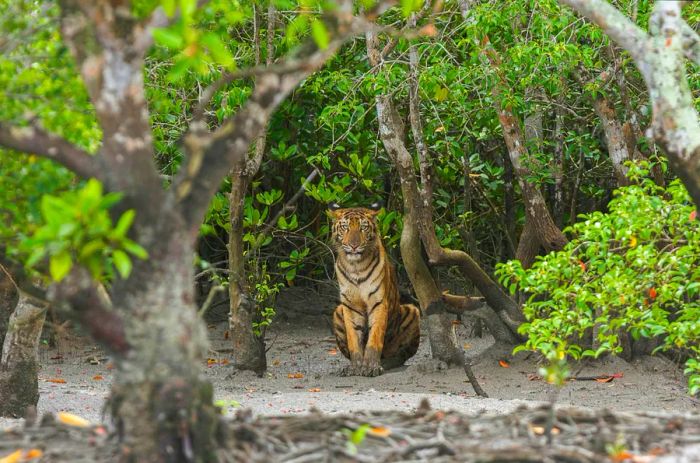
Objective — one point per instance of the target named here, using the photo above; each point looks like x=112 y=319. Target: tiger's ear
x=376 y=208
x=333 y=209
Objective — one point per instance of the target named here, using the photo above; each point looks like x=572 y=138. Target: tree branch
x=211 y=154
x=660 y=56
x=109 y=45
x=623 y=31
x=90 y=305
x=15 y=272
x=35 y=140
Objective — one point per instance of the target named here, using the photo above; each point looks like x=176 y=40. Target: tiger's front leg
x=348 y=326
x=378 y=318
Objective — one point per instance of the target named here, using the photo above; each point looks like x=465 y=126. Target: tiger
x=372 y=328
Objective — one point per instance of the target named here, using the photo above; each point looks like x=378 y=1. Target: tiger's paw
x=371 y=365
x=371 y=370
x=351 y=370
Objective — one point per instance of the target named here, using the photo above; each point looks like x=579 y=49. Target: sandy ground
x=302 y=347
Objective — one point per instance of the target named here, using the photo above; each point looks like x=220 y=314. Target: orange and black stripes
x=371 y=327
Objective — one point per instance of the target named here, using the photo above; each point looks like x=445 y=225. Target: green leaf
x=218 y=50
x=59 y=265
x=134 y=249
x=410 y=6
x=168 y=38
x=53 y=209
x=124 y=223
x=122 y=262
x=169 y=7
x=320 y=34
x=36 y=255
x=179 y=69
x=91 y=248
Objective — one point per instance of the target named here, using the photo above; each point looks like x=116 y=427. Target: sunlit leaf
x=122 y=262
x=60 y=264
x=320 y=34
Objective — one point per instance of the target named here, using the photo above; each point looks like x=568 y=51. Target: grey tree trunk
x=160 y=399
x=614 y=138
x=248 y=349
x=8 y=301
x=19 y=366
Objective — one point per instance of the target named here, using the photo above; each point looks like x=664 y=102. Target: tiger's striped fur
x=372 y=329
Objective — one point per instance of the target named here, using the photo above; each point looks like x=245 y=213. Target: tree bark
x=19 y=365
x=537 y=215
x=614 y=138
x=8 y=302
x=160 y=401
x=660 y=56
x=249 y=349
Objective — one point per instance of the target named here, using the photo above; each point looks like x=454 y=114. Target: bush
x=633 y=269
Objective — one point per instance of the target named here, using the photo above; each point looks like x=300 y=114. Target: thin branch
x=289 y=205
x=16 y=273
x=35 y=140
x=90 y=305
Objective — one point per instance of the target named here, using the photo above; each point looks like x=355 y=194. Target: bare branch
x=623 y=31
x=460 y=304
x=90 y=305
x=15 y=272
x=35 y=140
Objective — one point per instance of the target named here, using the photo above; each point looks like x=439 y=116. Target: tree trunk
x=162 y=404
x=443 y=342
x=559 y=137
x=8 y=301
x=614 y=138
x=536 y=212
x=19 y=366
x=249 y=349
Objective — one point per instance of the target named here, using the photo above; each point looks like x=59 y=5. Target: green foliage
x=355 y=438
x=77 y=229
x=265 y=294
x=633 y=269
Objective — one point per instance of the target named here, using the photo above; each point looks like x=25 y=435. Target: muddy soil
x=304 y=368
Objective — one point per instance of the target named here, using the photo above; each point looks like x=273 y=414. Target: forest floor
x=304 y=373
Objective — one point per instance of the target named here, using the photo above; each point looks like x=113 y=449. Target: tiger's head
x=355 y=230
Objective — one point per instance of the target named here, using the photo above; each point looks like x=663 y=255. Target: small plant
x=265 y=293
x=355 y=438
x=225 y=405
x=294 y=263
